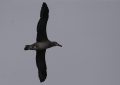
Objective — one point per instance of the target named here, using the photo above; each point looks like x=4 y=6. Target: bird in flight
x=42 y=43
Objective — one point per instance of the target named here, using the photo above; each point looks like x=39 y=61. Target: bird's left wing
x=41 y=64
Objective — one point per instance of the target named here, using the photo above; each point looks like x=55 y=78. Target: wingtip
x=44 y=6
x=44 y=10
x=44 y=3
x=42 y=78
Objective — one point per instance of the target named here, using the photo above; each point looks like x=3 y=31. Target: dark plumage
x=41 y=36
x=42 y=43
x=41 y=27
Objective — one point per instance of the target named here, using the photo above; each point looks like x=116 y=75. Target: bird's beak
x=59 y=45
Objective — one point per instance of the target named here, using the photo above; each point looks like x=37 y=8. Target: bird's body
x=42 y=43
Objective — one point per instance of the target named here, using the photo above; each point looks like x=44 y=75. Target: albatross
x=42 y=43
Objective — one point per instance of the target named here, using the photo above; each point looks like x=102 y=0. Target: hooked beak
x=59 y=45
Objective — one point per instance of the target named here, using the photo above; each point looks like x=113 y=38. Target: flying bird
x=42 y=43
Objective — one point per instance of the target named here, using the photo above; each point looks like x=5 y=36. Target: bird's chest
x=43 y=45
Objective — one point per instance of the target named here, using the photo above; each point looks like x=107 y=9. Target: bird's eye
x=56 y=43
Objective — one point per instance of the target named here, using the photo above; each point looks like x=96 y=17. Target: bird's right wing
x=41 y=26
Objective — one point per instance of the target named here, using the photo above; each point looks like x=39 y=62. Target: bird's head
x=55 y=44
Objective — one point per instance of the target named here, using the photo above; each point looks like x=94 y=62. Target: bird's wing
x=41 y=26
x=41 y=64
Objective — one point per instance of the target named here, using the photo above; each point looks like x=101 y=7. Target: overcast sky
x=89 y=31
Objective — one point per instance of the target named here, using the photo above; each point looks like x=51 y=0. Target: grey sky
x=89 y=32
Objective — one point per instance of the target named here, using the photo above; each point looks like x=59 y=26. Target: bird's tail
x=27 y=47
